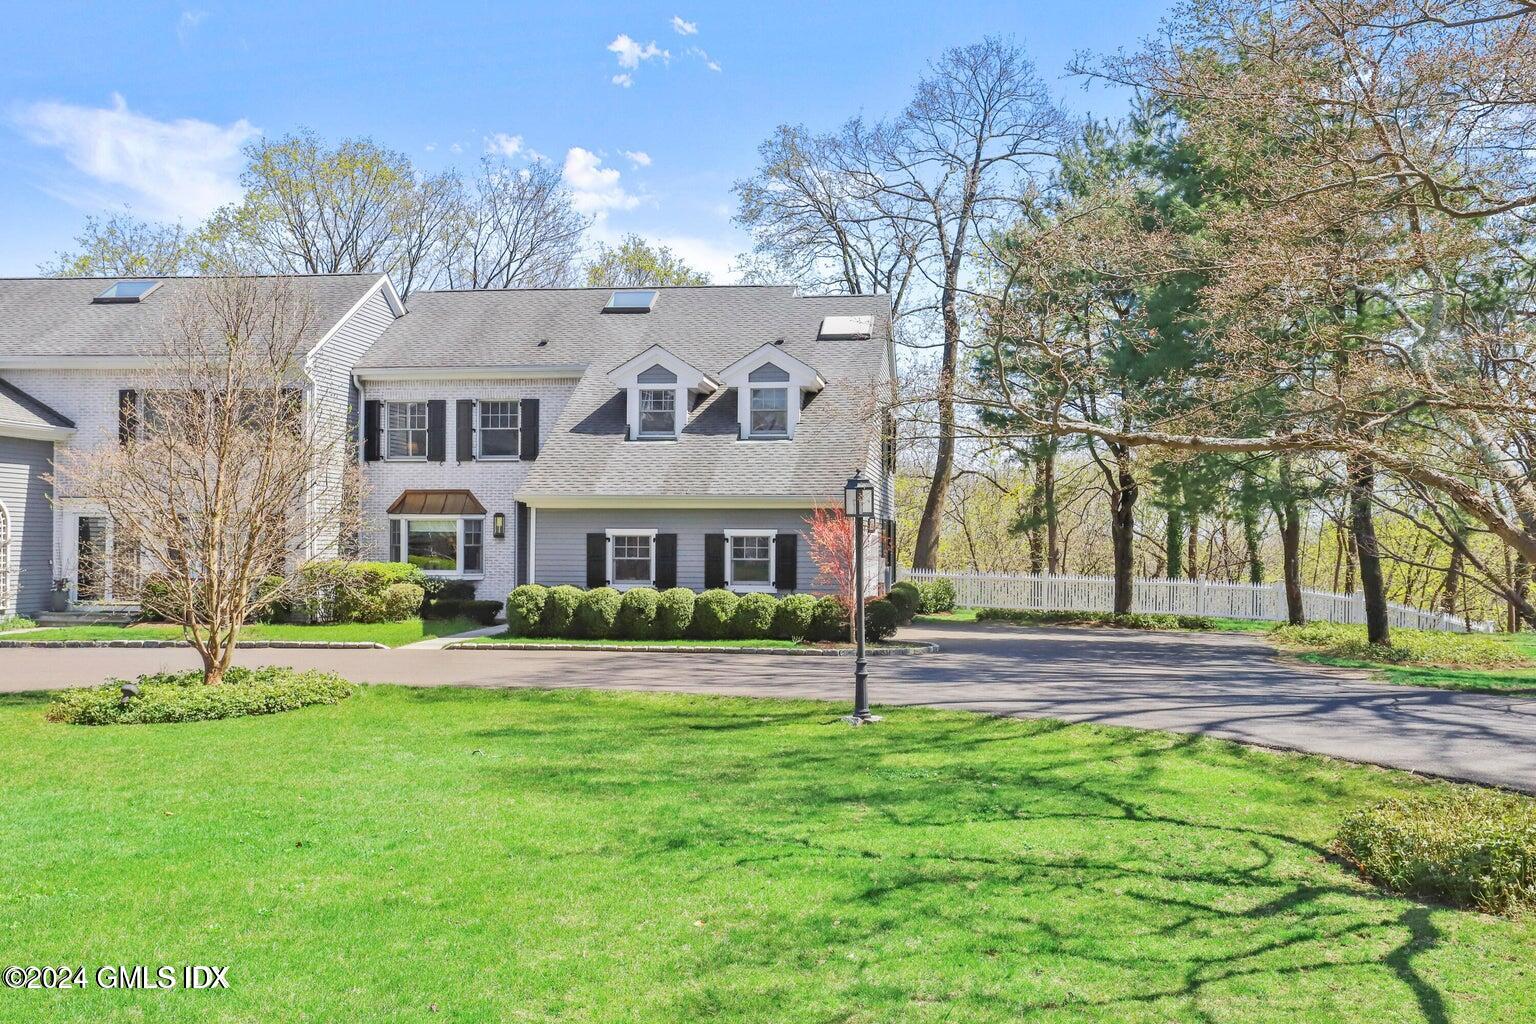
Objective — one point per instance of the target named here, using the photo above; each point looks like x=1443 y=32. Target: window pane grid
x=770 y=411
x=406 y=430
x=632 y=559
x=750 y=559
x=658 y=407
x=499 y=424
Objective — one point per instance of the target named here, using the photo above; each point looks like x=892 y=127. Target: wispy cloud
x=187 y=24
x=181 y=169
x=684 y=28
x=638 y=157
x=502 y=144
x=709 y=62
x=624 y=81
x=595 y=189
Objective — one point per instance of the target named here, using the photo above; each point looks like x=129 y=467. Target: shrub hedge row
x=182 y=697
x=1132 y=620
x=568 y=612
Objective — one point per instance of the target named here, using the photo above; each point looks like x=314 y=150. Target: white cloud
x=716 y=258
x=631 y=53
x=638 y=157
x=595 y=189
x=430 y=147
x=709 y=62
x=623 y=80
x=455 y=148
x=180 y=169
x=684 y=28
x=188 y=22
x=503 y=144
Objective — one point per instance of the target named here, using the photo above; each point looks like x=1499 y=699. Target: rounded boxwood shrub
x=713 y=613
x=830 y=621
x=674 y=613
x=938 y=596
x=792 y=618
x=906 y=599
x=401 y=601
x=560 y=606
x=881 y=617
x=525 y=609
x=753 y=618
x=1467 y=847
x=637 y=614
x=598 y=611
x=182 y=697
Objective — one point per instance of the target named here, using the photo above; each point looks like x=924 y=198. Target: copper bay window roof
x=437 y=503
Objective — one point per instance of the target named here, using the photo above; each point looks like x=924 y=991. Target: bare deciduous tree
x=514 y=227
x=228 y=483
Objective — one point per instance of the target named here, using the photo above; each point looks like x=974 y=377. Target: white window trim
x=384 y=454
x=480 y=429
x=630 y=584
x=789 y=417
x=458 y=572
x=679 y=404
x=773 y=558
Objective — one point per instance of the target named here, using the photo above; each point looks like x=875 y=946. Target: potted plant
x=58 y=600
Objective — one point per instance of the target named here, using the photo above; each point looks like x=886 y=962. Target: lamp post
x=859 y=505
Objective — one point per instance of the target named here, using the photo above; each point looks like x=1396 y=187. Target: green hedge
x=182 y=697
x=1132 y=620
x=643 y=614
x=1467 y=847
x=906 y=599
x=938 y=596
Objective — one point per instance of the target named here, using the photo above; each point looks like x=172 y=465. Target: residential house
x=650 y=437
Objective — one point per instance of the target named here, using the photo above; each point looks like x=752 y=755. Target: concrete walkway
x=1231 y=686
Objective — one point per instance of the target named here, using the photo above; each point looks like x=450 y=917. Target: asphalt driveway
x=1230 y=686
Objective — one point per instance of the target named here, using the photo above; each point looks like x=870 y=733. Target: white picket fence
x=1259 y=601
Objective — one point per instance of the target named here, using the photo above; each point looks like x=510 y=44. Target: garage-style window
x=498 y=434
x=749 y=561
x=405 y=430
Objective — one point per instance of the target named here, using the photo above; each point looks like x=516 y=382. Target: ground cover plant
x=1132 y=620
x=390 y=634
x=185 y=697
x=1502 y=663
x=469 y=855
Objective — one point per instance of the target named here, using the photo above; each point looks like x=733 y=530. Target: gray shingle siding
x=560 y=539
x=26 y=496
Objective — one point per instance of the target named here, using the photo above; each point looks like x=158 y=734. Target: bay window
x=439 y=547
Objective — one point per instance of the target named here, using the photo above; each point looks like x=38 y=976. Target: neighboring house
x=671 y=436
x=72 y=354
x=649 y=437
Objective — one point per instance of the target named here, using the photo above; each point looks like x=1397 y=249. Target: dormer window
x=631 y=300
x=658 y=392
x=770 y=384
x=127 y=291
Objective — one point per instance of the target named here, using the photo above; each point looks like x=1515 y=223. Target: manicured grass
x=958 y=615
x=15 y=622
x=471 y=855
x=502 y=638
x=391 y=634
x=1422 y=658
x=1074 y=618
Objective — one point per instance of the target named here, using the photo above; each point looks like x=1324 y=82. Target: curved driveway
x=1225 y=685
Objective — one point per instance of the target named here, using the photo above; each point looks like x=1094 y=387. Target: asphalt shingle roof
x=16 y=406
x=41 y=316
x=709 y=327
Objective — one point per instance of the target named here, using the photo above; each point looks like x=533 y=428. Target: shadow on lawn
x=1055 y=877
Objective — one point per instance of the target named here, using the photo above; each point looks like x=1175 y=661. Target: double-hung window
x=631 y=558
x=405 y=430
x=439 y=547
x=499 y=430
x=769 y=412
x=749 y=561
x=658 y=412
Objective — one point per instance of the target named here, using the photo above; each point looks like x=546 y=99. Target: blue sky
x=653 y=110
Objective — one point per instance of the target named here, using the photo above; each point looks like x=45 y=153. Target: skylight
x=631 y=300
x=843 y=327
x=127 y=291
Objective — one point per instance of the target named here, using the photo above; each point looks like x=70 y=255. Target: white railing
x=1259 y=601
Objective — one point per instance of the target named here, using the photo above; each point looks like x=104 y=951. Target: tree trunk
x=926 y=553
x=1450 y=593
x=1253 y=540
x=1035 y=515
x=1048 y=495
x=1123 y=529
x=1192 y=553
x=1173 y=534
x=1362 y=486
x=1288 y=512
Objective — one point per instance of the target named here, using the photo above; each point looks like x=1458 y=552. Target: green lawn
x=1509 y=679
x=472 y=855
x=391 y=634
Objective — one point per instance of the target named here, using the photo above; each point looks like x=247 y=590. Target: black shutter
x=666 y=561
x=437 y=430
x=521 y=525
x=785 y=564
x=373 y=415
x=597 y=560
x=528 y=429
x=714 y=560
x=464 y=437
x=127 y=415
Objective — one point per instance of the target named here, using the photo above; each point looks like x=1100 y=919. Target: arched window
x=7 y=582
